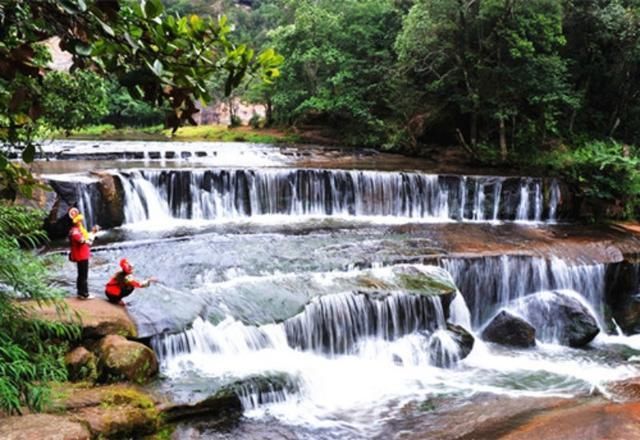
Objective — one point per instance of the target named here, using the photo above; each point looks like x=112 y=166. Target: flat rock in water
x=586 y=422
x=42 y=427
x=98 y=317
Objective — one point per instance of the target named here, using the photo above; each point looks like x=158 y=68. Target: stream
x=295 y=265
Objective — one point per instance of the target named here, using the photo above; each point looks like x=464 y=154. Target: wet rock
x=622 y=280
x=98 y=318
x=112 y=411
x=112 y=208
x=627 y=389
x=507 y=329
x=227 y=401
x=559 y=316
x=81 y=365
x=585 y=422
x=448 y=347
x=42 y=426
x=119 y=358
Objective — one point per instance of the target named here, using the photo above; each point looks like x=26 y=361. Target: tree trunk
x=503 y=140
x=473 y=130
x=269 y=113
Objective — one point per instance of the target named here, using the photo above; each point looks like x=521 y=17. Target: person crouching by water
x=122 y=283
x=81 y=241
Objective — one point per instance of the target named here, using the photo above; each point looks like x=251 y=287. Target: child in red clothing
x=122 y=283
x=81 y=242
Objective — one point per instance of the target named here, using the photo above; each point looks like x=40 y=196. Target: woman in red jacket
x=122 y=283
x=81 y=242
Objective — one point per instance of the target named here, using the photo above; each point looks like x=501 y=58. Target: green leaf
x=157 y=68
x=82 y=48
x=153 y=8
x=29 y=153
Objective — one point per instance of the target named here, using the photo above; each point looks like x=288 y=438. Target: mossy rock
x=81 y=365
x=121 y=359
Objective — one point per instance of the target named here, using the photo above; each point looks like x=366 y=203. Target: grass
x=217 y=133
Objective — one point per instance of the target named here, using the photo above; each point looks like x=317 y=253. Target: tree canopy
x=159 y=57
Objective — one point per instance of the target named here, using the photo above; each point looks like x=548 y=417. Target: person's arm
x=76 y=236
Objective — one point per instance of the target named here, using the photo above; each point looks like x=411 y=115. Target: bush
x=256 y=121
x=235 y=121
x=602 y=173
x=31 y=354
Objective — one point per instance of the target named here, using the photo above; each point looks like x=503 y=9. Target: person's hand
x=95 y=229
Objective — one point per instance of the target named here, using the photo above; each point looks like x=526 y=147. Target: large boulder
x=119 y=358
x=97 y=318
x=558 y=316
x=81 y=364
x=112 y=192
x=622 y=281
x=508 y=329
x=449 y=346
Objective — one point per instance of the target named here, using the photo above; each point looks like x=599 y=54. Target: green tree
x=71 y=101
x=492 y=65
x=338 y=66
x=603 y=46
x=158 y=57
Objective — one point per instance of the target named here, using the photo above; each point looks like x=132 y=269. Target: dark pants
x=82 y=284
x=124 y=292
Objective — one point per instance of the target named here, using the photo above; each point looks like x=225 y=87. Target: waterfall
x=233 y=193
x=490 y=283
x=555 y=196
x=332 y=324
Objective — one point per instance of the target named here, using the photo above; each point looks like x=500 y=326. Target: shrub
x=256 y=121
x=29 y=354
x=602 y=173
x=235 y=121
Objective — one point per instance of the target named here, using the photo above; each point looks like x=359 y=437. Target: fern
x=31 y=350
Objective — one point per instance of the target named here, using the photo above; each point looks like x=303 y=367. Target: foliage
x=73 y=100
x=126 y=111
x=159 y=57
x=338 y=65
x=255 y=121
x=28 y=358
x=602 y=173
x=493 y=66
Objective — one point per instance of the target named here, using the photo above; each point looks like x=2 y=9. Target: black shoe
x=83 y=296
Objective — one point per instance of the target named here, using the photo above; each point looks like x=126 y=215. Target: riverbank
x=211 y=133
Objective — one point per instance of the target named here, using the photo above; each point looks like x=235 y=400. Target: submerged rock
x=508 y=329
x=232 y=398
x=559 y=316
x=119 y=358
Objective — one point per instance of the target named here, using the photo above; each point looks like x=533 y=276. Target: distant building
x=60 y=60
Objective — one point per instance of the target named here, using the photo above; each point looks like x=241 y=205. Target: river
x=261 y=253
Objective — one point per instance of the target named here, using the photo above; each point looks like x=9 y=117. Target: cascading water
x=490 y=283
x=332 y=360
x=223 y=194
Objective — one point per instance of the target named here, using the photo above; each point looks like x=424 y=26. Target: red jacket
x=119 y=281
x=80 y=251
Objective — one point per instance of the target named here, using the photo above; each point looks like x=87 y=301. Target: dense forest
x=553 y=84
